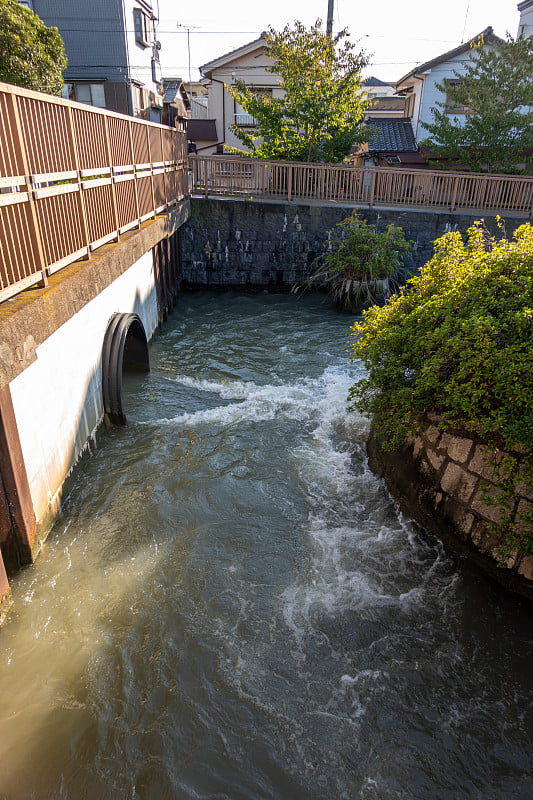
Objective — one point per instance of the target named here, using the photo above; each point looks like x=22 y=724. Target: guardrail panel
x=72 y=177
x=394 y=186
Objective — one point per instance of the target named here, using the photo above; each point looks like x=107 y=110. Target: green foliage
x=31 y=54
x=321 y=115
x=457 y=340
x=359 y=261
x=496 y=90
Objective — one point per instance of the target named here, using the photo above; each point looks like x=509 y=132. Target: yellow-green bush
x=456 y=340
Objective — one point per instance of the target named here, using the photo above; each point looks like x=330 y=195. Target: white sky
x=399 y=34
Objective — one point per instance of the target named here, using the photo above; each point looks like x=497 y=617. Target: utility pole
x=329 y=23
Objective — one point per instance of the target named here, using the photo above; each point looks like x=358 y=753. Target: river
x=230 y=606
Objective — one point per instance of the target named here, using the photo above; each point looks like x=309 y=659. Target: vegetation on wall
x=457 y=340
x=494 y=131
x=360 y=262
x=321 y=115
x=31 y=54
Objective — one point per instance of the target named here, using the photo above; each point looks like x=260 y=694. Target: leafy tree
x=320 y=117
x=31 y=54
x=496 y=92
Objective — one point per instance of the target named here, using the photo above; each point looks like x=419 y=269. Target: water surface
x=231 y=606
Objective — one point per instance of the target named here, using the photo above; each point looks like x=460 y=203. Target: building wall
x=427 y=95
x=93 y=36
x=525 y=25
x=251 y=69
x=140 y=57
x=431 y=95
x=67 y=378
x=101 y=48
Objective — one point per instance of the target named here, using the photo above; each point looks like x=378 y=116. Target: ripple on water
x=230 y=604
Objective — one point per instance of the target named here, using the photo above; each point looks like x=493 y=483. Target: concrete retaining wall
x=443 y=481
x=66 y=377
x=51 y=342
x=258 y=244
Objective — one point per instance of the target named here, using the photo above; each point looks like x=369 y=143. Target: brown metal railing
x=73 y=177
x=375 y=186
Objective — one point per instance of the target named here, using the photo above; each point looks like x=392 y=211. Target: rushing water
x=231 y=606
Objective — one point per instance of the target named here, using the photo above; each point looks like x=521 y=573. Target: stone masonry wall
x=442 y=480
x=271 y=245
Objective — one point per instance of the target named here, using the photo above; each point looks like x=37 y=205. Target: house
x=248 y=63
x=525 y=26
x=385 y=101
x=176 y=102
x=391 y=142
x=419 y=86
x=112 y=50
x=199 y=100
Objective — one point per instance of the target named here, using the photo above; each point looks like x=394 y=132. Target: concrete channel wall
x=251 y=244
x=52 y=358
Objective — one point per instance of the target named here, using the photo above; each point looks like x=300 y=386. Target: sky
x=398 y=35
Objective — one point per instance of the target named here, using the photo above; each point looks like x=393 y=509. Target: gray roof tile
x=391 y=136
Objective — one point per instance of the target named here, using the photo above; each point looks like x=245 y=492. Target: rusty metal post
x=18 y=547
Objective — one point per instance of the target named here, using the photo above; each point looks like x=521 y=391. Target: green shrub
x=457 y=340
x=360 y=261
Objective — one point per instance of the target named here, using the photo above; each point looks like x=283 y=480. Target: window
x=453 y=106
x=242 y=118
x=141 y=25
x=410 y=105
x=141 y=101
x=91 y=93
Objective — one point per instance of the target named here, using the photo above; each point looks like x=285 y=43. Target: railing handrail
x=222 y=157
x=74 y=177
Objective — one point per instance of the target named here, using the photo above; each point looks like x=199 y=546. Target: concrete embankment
x=253 y=244
x=450 y=482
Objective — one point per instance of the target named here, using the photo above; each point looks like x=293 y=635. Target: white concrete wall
x=251 y=69
x=58 y=400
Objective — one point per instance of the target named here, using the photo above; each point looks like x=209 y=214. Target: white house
x=420 y=85
x=248 y=63
x=525 y=26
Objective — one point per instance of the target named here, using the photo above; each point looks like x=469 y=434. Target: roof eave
x=488 y=36
x=207 y=69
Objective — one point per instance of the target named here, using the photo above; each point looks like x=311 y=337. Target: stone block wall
x=256 y=244
x=444 y=481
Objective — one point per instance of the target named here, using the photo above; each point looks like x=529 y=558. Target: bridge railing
x=375 y=186
x=73 y=177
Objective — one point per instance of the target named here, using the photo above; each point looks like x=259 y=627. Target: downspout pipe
x=418 y=78
x=215 y=80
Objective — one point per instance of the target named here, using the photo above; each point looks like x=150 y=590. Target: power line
x=257 y=33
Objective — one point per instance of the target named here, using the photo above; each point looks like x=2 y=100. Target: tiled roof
x=170 y=94
x=375 y=82
x=391 y=136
